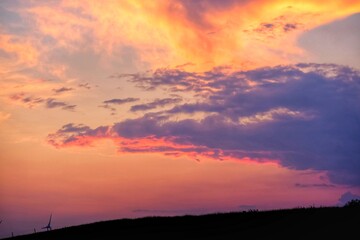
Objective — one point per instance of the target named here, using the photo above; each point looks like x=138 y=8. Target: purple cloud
x=53 y=103
x=177 y=79
x=289 y=27
x=62 y=89
x=277 y=27
x=85 y=85
x=157 y=103
x=31 y=101
x=109 y=104
x=305 y=116
x=71 y=133
x=119 y=101
x=317 y=185
x=73 y=128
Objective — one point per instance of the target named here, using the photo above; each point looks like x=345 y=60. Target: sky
x=130 y=108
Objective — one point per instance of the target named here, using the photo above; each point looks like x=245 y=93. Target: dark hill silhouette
x=298 y=223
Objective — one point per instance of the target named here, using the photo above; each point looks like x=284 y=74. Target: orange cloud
x=87 y=138
x=4 y=116
x=176 y=32
x=18 y=53
x=22 y=61
x=138 y=145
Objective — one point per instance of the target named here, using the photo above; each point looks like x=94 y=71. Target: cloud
x=290 y=27
x=302 y=116
x=76 y=134
x=31 y=101
x=316 y=185
x=275 y=28
x=195 y=11
x=184 y=30
x=53 y=103
x=62 y=89
x=4 y=116
x=17 y=52
x=73 y=128
x=157 y=103
x=346 y=197
x=85 y=85
x=109 y=104
x=180 y=80
x=119 y=101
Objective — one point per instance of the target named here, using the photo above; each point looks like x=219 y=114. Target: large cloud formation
x=304 y=116
x=256 y=32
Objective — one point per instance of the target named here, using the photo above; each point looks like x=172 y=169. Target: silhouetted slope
x=302 y=223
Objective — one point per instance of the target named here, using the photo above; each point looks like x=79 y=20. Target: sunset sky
x=131 y=108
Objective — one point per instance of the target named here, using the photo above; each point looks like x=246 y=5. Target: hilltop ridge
x=298 y=223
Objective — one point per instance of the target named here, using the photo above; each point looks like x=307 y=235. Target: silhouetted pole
x=48 y=226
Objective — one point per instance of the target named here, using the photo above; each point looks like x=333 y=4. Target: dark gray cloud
x=177 y=79
x=28 y=100
x=31 y=101
x=306 y=116
x=53 y=103
x=74 y=128
x=275 y=28
x=289 y=27
x=154 y=104
x=62 y=89
x=346 y=197
x=119 y=101
x=85 y=85
x=109 y=104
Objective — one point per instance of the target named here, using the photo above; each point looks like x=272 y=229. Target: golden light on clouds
x=167 y=33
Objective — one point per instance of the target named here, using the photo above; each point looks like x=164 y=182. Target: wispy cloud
x=156 y=103
x=119 y=101
x=28 y=100
x=4 y=116
x=110 y=104
x=53 y=103
x=316 y=185
x=32 y=101
x=62 y=89
x=275 y=28
x=85 y=85
x=184 y=32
